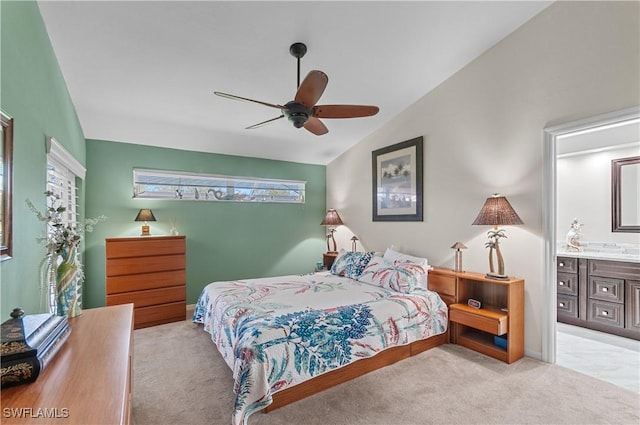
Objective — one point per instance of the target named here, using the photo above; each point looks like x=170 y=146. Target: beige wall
x=483 y=133
x=583 y=187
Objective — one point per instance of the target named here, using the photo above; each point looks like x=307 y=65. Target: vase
x=48 y=279
x=68 y=288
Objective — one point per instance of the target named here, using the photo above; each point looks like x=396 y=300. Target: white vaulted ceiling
x=145 y=71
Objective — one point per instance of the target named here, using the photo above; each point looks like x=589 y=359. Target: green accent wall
x=34 y=93
x=225 y=240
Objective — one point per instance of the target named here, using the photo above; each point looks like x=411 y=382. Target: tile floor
x=607 y=357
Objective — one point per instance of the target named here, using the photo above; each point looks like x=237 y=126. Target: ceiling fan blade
x=316 y=126
x=344 y=111
x=233 y=97
x=311 y=88
x=260 y=124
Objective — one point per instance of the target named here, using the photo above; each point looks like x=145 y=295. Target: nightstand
x=328 y=258
x=501 y=314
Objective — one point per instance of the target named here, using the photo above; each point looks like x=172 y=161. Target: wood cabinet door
x=632 y=304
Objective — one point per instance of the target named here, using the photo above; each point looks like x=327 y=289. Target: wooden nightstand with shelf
x=501 y=314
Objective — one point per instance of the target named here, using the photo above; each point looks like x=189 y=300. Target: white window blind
x=62 y=182
x=62 y=171
x=158 y=184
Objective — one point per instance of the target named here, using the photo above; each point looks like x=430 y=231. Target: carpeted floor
x=180 y=378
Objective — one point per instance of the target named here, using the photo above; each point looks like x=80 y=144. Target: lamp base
x=145 y=231
x=496 y=276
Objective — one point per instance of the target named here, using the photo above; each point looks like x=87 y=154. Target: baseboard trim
x=533 y=354
x=189 y=312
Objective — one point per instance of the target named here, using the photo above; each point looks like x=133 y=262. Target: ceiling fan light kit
x=303 y=111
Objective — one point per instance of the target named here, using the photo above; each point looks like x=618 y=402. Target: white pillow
x=400 y=276
x=393 y=255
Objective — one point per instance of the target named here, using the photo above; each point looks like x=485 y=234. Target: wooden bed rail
x=353 y=370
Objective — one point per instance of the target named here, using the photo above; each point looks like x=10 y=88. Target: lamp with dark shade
x=496 y=211
x=145 y=215
x=331 y=220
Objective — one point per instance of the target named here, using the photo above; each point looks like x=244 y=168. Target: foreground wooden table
x=89 y=380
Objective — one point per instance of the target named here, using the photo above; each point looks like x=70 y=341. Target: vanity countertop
x=603 y=251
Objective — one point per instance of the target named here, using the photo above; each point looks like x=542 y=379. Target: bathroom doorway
x=577 y=186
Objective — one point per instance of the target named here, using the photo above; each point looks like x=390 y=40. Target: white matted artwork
x=397 y=182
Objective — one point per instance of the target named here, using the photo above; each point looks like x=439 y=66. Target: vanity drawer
x=567 y=265
x=567 y=284
x=567 y=306
x=606 y=289
x=605 y=313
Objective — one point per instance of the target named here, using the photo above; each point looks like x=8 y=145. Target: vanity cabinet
x=603 y=295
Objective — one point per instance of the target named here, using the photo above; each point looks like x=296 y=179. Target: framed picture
x=397 y=182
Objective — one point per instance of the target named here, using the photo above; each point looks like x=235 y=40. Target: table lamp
x=354 y=243
x=331 y=220
x=457 y=263
x=145 y=215
x=496 y=211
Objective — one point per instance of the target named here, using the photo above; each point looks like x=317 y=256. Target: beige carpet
x=180 y=378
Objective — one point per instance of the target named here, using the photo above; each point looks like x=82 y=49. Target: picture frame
x=6 y=186
x=397 y=182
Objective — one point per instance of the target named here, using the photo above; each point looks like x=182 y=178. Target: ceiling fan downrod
x=298 y=50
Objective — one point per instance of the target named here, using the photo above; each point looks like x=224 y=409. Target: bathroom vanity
x=600 y=291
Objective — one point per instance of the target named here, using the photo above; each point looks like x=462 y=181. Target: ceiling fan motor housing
x=296 y=113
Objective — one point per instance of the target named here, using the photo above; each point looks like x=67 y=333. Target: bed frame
x=353 y=370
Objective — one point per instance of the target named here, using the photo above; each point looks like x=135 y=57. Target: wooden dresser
x=149 y=272
x=89 y=381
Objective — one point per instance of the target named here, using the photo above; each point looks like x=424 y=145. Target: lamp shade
x=145 y=214
x=497 y=211
x=331 y=218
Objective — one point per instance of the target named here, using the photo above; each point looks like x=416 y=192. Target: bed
x=287 y=337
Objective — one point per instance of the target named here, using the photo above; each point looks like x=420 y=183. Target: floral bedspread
x=277 y=332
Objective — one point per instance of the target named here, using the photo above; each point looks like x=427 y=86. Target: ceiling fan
x=303 y=111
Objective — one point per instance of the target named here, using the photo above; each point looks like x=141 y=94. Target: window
x=62 y=171
x=156 y=184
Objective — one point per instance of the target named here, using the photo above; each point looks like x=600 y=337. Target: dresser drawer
x=494 y=322
x=605 y=313
x=135 y=265
x=443 y=284
x=158 y=314
x=145 y=247
x=606 y=289
x=140 y=282
x=149 y=297
x=567 y=306
x=567 y=265
x=567 y=284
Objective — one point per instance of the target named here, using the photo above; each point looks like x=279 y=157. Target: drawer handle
x=605 y=313
x=605 y=289
x=561 y=283
x=561 y=264
x=561 y=304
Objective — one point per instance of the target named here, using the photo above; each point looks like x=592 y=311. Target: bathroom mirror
x=625 y=198
x=6 y=180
